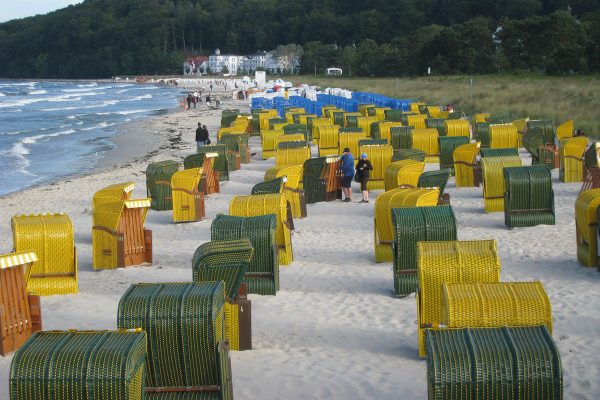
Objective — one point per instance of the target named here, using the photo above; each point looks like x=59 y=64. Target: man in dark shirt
x=201 y=136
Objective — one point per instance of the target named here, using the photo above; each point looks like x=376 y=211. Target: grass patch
x=508 y=96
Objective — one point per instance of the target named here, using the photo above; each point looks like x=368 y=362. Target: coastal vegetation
x=103 y=38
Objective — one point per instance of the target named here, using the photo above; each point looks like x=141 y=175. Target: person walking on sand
x=362 y=175
x=201 y=136
x=189 y=100
x=347 y=168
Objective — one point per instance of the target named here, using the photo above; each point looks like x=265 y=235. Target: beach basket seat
x=364 y=108
x=547 y=127
x=521 y=125
x=303 y=119
x=495 y=304
x=83 y=365
x=438 y=124
x=565 y=130
x=408 y=154
x=269 y=142
x=481 y=133
x=436 y=179
x=350 y=119
x=229 y=115
x=112 y=193
x=231 y=130
x=221 y=163
x=380 y=156
x=188 y=200
x=277 y=121
x=255 y=205
x=521 y=363
x=492 y=169
x=262 y=276
x=52 y=237
x=328 y=140
x=447 y=145
x=586 y=227
x=187 y=355
x=228 y=261
x=591 y=157
x=435 y=112
x=290 y=176
x=385 y=129
x=264 y=116
x=450 y=262
x=21 y=314
x=487 y=152
x=494 y=119
x=466 y=167
x=480 y=117
x=412 y=225
x=291 y=153
x=379 y=113
x=350 y=140
x=322 y=179
x=571 y=151
x=337 y=117
x=457 y=128
x=315 y=124
x=503 y=136
x=383 y=230
x=238 y=145
x=456 y=115
x=414 y=107
x=119 y=238
x=158 y=184
x=372 y=142
x=394 y=115
x=209 y=182
x=366 y=124
x=528 y=196
x=273 y=186
x=416 y=121
x=592 y=179
x=401 y=137
x=403 y=173
x=427 y=141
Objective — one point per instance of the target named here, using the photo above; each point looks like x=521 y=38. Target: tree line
x=103 y=38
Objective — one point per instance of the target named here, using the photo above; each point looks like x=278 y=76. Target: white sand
x=334 y=330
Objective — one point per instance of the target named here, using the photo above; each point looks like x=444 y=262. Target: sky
x=13 y=9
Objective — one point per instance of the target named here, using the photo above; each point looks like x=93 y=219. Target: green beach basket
x=158 y=184
x=528 y=196
x=221 y=164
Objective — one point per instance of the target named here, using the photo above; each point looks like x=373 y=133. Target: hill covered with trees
x=102 y=38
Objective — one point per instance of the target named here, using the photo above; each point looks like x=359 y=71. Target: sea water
x=49 y=130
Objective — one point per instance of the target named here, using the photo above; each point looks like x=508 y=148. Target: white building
x=218 y=61
x=255 y=61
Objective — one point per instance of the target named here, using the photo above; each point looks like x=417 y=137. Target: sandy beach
x=335 y=330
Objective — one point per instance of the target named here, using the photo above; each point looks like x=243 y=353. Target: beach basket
x=503 y=136
x=269 y=142
x=262 y=276
x=254 y=205
x=221 y=163
x=447 y=145
x=492 y=169
x=401 y=137
x=438 y=124
x=273 y=186
x=366 y=124
x=457 y=128
x=493 y=363
x=436 y=179
x=372 y=142
x=521 y=125
x=450 y=262
x=481 y=117
x=547 y=127
x=209 y=182
x=119 y=238
x=393 y=115
x=495 y=304
x=51 y=236
x=188 y=201
x=383 y=231
x=380 y=157
x=322 y=179
x=412 y=225
x=528 y=196
x=350 y=119
x=385 y=127
x=379 y=113
x=565 y=130
x=291 y=153
x=481 y=132
x=263 y=118
x=434 y=112
x=414 y=107
x=228 y=116
x=510 y=152
x=228 y=261
x=586 y=227
x=184 y=322
x=231 y=130
x=416 y=121
x=21 y=314
x=408 y=154
x=466 y=167
x=290 y=176
x=591 y=157
x=427 y=141
x=55 y=365
x=403 y=173
x=277 y=123
x=328 y=140
x=158 y=184
x=112 y=193
x=571 y=152
x=350 y=140
x=315 y=124
x=238 y=145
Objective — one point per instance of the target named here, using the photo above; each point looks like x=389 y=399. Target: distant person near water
x=347 y=168
x=189 y=101
x=362 y=175
x=201 y=136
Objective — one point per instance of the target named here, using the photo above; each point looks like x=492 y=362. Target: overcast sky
x=12 y=9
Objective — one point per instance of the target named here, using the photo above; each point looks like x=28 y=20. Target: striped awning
x=14 y=259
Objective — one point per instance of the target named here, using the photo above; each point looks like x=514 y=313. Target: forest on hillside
x=102 y=38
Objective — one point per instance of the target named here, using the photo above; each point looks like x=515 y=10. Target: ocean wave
x=103 y=104
x=72 y=117
x=20 y=84
x=131 y=112
x=138 y=98
x=38 y=92
x=88 y=85
x=2 y=95
x=35 y=139
x=101 y=125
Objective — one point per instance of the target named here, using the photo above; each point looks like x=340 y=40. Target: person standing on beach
x=189 y=100
x=362 y=175
x=201 y=136
x=347 y=168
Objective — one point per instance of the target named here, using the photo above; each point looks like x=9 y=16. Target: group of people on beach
x=195 y=97
x=202 y=136
x=360 y=173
